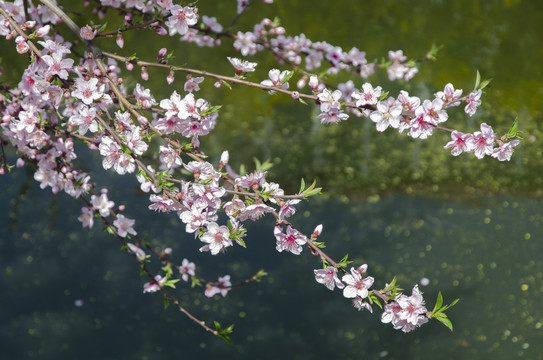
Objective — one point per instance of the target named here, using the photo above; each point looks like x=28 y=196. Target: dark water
x=405 y=207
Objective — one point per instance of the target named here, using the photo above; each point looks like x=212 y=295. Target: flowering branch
x=57 y=101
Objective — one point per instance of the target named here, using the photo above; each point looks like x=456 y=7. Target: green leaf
x=477 y=81
x=224 y=332
x=302 y=186
x=227 y=84
x=442 y=318
x=166 y=303
x=211 y=110
x=439 y=302
x=102 y=27
x=302 y=101
x=319 y=244
x=449 y=306
x=259 y=275
x=266 y=165
x=195 y=282
x=171 y=283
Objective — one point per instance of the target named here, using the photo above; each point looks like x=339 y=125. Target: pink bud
x=2 y=170
x=218 y=84
x=314 y=83
x=20 y=162
x=279 y=30
x=301 y=83
x=162 y=53
x=167 y=251
x=142 y=120
x=170 y=78
x=29 y=25
x=160 y=30
x=317 y=231
x=22 y=48
x=295 y=95
x=43 y=31
x=224 y=159
x=144 y=74
x=120 y=40
x=129 y=66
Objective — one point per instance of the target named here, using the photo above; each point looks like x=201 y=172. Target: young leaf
x=439 y=301
x=442 y=318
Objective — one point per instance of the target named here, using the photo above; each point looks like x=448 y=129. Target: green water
x=405 y=207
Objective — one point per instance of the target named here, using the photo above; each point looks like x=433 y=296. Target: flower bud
x=317 y=231
x=224 y=159
x=295 y=95
x=144 y=73
x=314 y=83
x=161 y=54
x=170 y=78
x=120 y=40
x=43 y=31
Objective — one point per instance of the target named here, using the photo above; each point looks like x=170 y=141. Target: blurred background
x=405 y=207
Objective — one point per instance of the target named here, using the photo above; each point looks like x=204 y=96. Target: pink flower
x=88 y=91
x=161 y=204
x=57 y=65
x=136 y=250
x=192 y=83
x=217 y=237
x=246 y=43
x=169 y=158
x=473 y=101
x=356 y=285
x=368 y=96
x=85 y=117
x=252 y=180
x=288 y=209
x=397 y=56
x=242 y=66
x=242 y=4
x=87 y=217
x=195 y=217
x=388 y=113
x=482 y=142
x=332 y=116
x=449 y=95
x=431 y=112
x=187 y=269
x=102 y=204
x=254 y=212
x=406 y=312
x=124 y=225
x=222 y=287
x=458 y=143
x=329 y=100
x=328 y=277
x=181 y=19
x=154 y=285
x=277 y=79
x=291 y=241
x=87 y=32
x=505 y=150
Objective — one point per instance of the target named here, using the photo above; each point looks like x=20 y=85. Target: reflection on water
x=484 y=253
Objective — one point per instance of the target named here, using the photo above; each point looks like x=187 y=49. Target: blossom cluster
x=404 y=312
